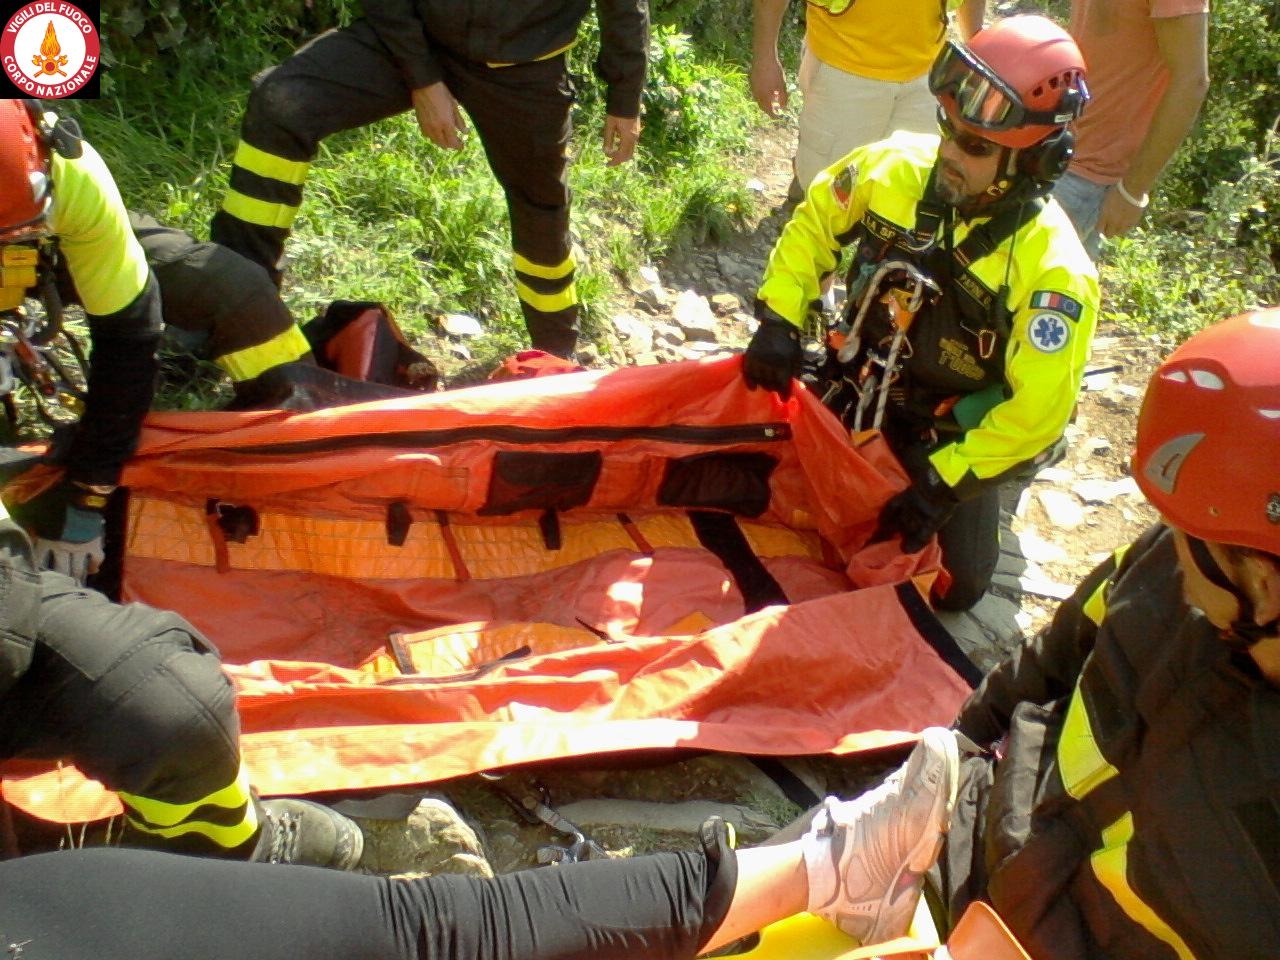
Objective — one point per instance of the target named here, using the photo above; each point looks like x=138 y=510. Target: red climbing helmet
x=24 y=174
x=1015 y=83
x=1208 y=453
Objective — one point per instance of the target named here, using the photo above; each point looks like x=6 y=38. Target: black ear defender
x=1048 y=160
x=62 y=134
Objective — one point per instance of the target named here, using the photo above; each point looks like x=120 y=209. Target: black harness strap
x=720 y=533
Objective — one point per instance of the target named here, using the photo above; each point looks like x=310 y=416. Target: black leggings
x=115 y=904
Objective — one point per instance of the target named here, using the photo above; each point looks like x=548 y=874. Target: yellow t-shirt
x=894 y=40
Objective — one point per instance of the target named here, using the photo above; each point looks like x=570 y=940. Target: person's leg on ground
x=521 y=115
x=108 y=904
x=220 y=305
x=841 y=111
x=340 y=80
x=137 y=699
x=970 y=543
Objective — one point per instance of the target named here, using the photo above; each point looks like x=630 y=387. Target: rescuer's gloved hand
x=773 y=356
x=66 y=524
x=918 y=512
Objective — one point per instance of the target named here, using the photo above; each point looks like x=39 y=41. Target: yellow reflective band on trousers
x=268 y=165
x=1111 y=867
x=262 y=213
x=161 y=819
x=1080 y=762
x=248 y=363
x=525 y=265
x=548 y=302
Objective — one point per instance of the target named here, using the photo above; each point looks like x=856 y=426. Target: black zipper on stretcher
x=677 y=433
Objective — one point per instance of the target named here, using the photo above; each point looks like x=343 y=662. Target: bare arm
x=969 y=16
x=768 y=82
x=1183 y=44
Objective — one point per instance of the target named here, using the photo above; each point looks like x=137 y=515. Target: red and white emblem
x=49 y=49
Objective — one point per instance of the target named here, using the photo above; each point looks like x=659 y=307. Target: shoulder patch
x=842 y=185
x=1048 y=332
x=1048 y=300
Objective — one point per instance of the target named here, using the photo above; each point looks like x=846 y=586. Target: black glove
x=918 y=512
x=773 y=356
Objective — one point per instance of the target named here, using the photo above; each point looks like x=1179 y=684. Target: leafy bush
x=1243 y=102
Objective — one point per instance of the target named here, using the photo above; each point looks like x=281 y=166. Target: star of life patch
x=842 y=185
x=1048 y=300
x=1048 y=332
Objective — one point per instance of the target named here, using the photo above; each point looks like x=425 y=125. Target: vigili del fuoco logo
x=50 y=49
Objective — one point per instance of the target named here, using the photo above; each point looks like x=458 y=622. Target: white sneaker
x=866 y=858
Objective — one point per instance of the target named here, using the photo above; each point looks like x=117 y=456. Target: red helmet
x=24 y=173
x=1017 y=81
x=1208 y=454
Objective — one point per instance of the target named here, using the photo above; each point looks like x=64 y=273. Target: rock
x=697 y=349
x=666 y=334
x=636 y=333
x=461 y=325
x=1062 y=509
x=1104 y=491
x=655 y=297
x=693 y=315
x=1054 y=475
x=433 y=839
x=649 y=274
x=1094 y=446
x=1038 y=586
x=587 y=355
x=725 y=304
x=755 y=185
x=646 y=359
x=686 y=817
x=1039 y=550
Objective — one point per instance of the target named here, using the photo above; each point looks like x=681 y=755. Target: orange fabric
x=360 y=664
x=982 y=935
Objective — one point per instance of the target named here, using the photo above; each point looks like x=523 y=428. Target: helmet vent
x=1207 y=380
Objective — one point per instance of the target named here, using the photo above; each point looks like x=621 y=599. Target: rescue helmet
x=1015 y=83
x=25 y=188
x=1208 y=446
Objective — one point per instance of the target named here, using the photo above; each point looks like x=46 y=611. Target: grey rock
x=433 y=839
x=1062 y=509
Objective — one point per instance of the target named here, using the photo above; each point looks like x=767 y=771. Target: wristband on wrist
x=1139 y=202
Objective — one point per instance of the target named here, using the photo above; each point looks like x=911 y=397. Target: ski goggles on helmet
x=984 y=100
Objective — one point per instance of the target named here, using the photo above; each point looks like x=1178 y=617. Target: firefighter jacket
x=500 y=33
x=1011 y=330
x=19 y=602
x=108 y=270
x=1135 y=814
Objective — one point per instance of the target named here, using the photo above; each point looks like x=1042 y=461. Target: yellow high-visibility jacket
x=1033 y=373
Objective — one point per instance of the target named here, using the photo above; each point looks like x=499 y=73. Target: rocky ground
x=1071 y=516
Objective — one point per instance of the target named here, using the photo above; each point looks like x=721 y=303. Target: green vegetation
x=388 y=216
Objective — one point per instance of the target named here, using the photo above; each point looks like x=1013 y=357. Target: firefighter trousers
x=219 y=304
x=346 y=78
x=137 y=699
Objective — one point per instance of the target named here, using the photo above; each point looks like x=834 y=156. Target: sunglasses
x=972 y=146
